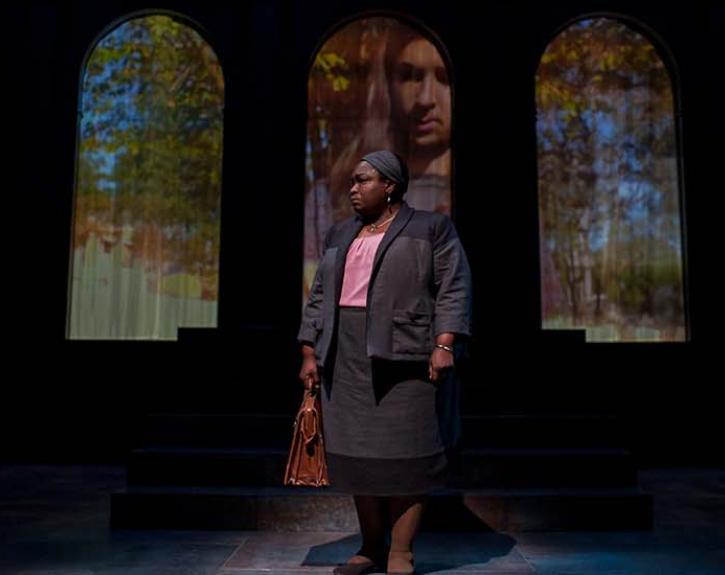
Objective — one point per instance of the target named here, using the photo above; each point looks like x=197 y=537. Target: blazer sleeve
x=311 y=323
x=452 y=280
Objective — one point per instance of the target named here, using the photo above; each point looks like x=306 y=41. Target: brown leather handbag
x=306 y=464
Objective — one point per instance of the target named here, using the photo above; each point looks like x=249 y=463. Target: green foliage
x=608 y=178
x=151 y=137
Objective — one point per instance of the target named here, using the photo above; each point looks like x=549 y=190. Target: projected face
x=421 y=95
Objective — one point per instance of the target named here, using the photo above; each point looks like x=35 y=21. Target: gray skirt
x=385 y=424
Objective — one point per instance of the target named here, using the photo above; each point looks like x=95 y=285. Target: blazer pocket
x=411 y=332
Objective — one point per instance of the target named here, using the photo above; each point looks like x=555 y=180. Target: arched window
x=376 y=82
x=609 y=194
x=145 y=245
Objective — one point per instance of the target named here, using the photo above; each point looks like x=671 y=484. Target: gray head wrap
x=391 y=167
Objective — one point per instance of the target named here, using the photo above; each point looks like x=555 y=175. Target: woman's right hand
x=309 y=366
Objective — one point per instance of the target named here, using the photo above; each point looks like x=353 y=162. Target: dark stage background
x=84 y=400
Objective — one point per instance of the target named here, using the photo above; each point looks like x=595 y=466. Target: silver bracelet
x=446 y=347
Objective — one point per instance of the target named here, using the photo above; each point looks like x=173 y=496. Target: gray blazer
x=420 y=286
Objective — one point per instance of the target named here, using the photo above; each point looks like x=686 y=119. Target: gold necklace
x=374 y=227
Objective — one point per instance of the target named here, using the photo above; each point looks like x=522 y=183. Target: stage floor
x=54 y=519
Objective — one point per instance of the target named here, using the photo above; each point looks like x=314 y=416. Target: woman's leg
x=406 y=514
x=372 y=514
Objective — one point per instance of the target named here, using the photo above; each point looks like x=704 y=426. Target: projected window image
x=609 y=198
x=145 y=245
x=376 y=83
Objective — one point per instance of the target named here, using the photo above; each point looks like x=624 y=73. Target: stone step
x=486 y=430
x=325 y=509
x=494 y=467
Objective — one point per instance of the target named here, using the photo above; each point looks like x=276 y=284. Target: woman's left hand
x=441 y=361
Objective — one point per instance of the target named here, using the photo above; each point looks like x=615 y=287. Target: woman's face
x=421 y=95
x=368 y=192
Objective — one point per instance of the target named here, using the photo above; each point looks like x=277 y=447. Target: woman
x=384 y=322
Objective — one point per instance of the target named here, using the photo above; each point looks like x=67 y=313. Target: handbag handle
x=309 y=385
x=310 y=430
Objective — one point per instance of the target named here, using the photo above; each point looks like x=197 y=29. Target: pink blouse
x=358 y=266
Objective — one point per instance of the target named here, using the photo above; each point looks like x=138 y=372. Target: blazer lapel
x=400 y=221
